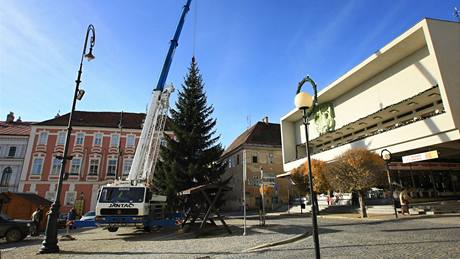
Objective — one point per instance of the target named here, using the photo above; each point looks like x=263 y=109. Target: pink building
x=102 y=152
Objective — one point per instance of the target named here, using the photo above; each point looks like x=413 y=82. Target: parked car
x=14 y=229
x=89 y=216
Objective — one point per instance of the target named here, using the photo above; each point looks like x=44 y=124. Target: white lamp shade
x=386 y=156
x=303 y=100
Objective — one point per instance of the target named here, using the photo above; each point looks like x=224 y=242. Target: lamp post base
x=48 y=248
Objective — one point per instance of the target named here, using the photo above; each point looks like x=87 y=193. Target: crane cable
x=195 y=18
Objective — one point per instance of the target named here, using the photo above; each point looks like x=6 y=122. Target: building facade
x=102 y=145
x=403 y=98
x=14 y=136
x=258 y=148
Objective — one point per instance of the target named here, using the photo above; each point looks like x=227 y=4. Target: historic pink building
x=102 y=145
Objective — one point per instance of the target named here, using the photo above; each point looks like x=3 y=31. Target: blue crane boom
x=172 y=47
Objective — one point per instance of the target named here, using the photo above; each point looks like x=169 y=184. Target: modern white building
x=404 y=98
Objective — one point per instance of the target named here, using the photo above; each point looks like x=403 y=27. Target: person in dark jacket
x=71 y=217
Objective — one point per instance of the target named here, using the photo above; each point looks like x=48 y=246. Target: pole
x=310 y=178
x=49 y=245
x=244 y=192
x=385 y=154
x=289 y=186
x=391 y=188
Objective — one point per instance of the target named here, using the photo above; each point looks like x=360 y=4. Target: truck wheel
x=13 y=235
x=112 y=229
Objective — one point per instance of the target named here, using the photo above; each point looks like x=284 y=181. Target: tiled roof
x=15 y=128
x=261 y=133
x=98 y=119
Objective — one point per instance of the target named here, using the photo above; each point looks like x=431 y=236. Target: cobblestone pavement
x=409 y=237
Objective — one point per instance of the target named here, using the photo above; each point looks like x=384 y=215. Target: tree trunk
x=362 y=204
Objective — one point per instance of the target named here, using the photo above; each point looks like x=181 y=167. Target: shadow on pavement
x=416 y=229
x=141 y=253
x=401 y=218
x=369 y=245
x=25 y=242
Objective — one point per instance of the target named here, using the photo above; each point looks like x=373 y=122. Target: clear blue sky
x=251 y=53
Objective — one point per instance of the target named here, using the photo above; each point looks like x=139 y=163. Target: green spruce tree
x=191 y=157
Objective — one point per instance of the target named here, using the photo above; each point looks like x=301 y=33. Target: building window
x=111 y=167
x=75 y=167
x=254 y=158
x=43 y=138
x=61 y=138
x=114 y=141
x=230 y=163
x=237 y=159
x=37 y=166
x=7 y=172
x=56 y=166
x=130 y=141
x=79 y=139
x=127 y=166
x=93 y=167
x=97 y=139
x=70 y=197
x=12 y=152
x=270 y=158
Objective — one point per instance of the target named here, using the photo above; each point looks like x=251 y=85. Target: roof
x=32 y=197
x=98 y=119
x=15 y=128
x=261 y=133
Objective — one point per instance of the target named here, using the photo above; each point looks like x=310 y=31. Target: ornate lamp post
x=385 y=154
x=307 y=104
x=49 y=245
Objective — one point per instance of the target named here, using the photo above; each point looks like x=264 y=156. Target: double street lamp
x=385 y=154
x=49 y=245
x=307 y=104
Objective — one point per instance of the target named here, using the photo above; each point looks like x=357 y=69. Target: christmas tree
x=191 y=157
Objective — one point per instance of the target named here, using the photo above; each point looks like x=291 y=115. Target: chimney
x=10 y=117
x=265 y=119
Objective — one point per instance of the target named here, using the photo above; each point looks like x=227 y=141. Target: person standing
x=71 y=217
x=404 y=199
x=37 y=216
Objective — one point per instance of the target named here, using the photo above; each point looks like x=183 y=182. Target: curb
x=277 y=243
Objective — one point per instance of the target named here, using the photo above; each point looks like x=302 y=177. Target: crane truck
x=132 y=201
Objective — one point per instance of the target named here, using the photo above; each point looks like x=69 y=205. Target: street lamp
x=49 y=244
x=385 y=154
x=307 y=104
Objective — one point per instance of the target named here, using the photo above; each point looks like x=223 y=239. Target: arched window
x=6 y=176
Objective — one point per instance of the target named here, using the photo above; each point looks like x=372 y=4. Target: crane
x=132 y=202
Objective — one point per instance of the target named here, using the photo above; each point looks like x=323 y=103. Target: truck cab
x=124 y=206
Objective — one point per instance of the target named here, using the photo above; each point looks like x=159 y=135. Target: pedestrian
x=354 y=199
x=37 y=216
x=336 y=198
x=396 y=198
x=404 y=199
x=71 y=217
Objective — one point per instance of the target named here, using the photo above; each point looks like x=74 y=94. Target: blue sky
x=251 y=53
